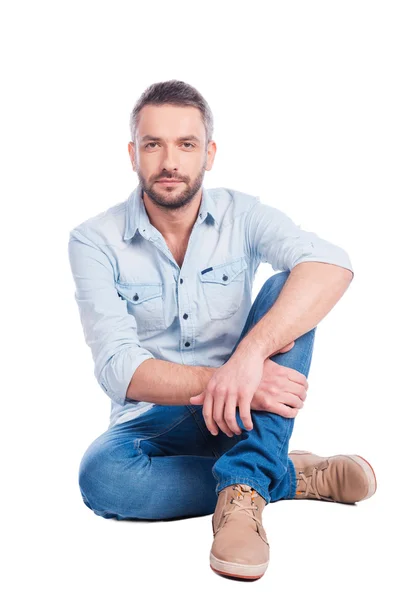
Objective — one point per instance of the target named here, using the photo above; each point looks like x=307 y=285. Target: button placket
x=185 y=315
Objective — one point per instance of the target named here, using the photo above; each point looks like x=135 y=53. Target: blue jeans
x=166 y=464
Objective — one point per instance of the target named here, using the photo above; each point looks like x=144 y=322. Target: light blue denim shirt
x=136 y=303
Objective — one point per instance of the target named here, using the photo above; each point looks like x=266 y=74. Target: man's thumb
x=284 y=349
x=194 y=399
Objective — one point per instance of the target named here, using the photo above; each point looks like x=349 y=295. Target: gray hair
x=174 y=92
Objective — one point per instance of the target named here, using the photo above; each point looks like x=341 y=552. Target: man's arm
x=164 y=382
x=309 y=293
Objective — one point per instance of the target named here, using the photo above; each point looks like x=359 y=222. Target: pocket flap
x=225 y=272
x=139 y=292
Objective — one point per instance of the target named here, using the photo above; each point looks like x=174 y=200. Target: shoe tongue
x=321 y=482
x=243 y=487
x=245 y=494
x=242 y=494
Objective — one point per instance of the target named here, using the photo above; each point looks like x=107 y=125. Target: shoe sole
x=231 y=569
x=362 y=462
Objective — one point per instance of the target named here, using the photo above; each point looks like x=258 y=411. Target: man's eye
x=185 y=143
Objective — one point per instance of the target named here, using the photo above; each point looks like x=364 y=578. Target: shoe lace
x=311 y=484
x=250 y=510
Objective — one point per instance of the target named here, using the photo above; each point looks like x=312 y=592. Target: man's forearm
x=309 y=293
x=164 y=382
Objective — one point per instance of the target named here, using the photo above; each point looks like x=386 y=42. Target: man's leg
x=260 y=457
x=156 y=466
x=159 y=465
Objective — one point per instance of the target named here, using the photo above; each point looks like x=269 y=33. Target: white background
x=305 y=97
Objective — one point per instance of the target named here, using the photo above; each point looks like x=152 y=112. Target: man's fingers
x=218 y=414
x=296 y=388
x=296 y=376
x=292 y=400
x=244 y=411
x=208 y=413
x=196 y=399
x=284 y=349
x=230 y=414
x=288 y=412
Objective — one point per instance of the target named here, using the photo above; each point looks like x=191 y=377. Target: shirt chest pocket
x=223 y=287
x=145 y=303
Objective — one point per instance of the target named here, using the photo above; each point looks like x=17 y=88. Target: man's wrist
x=205 y=375
x=250 y=346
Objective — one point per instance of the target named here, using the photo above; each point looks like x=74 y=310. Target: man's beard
x=177 y=200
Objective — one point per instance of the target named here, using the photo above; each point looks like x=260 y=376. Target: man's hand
x=232 y=385
x=282 y=390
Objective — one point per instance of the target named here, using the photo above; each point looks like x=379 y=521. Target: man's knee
x=272 y=288
x=108 y=478
x=278 y=280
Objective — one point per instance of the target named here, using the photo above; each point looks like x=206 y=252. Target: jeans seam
x=151 y=437
x=204 y=433
x=285 y=437
x=136 y=445
x=293 y=482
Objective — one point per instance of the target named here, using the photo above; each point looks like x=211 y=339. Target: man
x=204 y=385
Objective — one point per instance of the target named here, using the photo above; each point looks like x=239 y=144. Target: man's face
x=171 y=144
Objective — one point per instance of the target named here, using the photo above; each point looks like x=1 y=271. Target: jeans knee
x=88 y=473
x=278 y=280
x=112 y=481
x=271 y=289
x=96 y=476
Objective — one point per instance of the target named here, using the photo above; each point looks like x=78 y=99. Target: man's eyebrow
x=183 y=138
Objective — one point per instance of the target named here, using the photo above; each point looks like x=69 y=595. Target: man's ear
x=131 y=151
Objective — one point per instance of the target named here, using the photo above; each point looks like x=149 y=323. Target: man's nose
x=170 y=159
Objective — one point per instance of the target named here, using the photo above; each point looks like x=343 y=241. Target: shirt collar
x=137 y=218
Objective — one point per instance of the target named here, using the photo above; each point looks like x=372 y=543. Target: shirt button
x=185 y=316
x=187 y=344
x=225 y=277
x=181 y=280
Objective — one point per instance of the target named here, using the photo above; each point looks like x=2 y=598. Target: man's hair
x=174 y=92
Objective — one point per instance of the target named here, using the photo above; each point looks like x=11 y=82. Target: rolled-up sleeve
x=109 y=330
x=273 y=237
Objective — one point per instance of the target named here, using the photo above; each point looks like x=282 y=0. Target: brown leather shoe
x=240 y=547
x=347 y=478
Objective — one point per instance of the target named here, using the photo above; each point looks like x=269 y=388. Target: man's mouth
x=168 y=181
